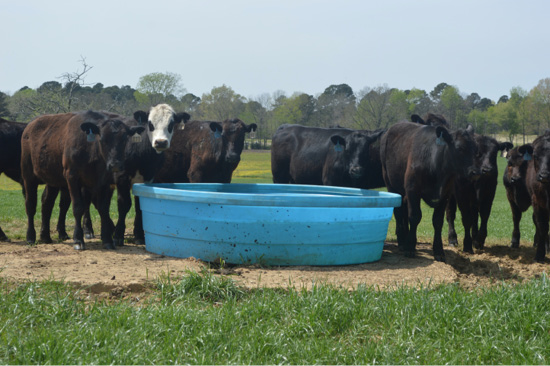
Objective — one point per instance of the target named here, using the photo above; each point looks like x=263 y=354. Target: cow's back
x=189 y=146
x=42 y=147
x=299 y=153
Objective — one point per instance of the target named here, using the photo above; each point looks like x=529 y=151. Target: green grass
x=203 y=319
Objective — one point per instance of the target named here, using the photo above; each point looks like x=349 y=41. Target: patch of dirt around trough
x=131 y=269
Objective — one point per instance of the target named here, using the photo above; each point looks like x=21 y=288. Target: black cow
x=516 y=187
x=475 y=198
x=321 y=156
x=421 y=163
x=10 y=164
x=205 y=152
x=64 y=151
x=537 y=180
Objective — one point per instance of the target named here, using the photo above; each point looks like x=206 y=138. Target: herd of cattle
x=82 y=156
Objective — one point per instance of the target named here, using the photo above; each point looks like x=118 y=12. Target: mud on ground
x=131 y=269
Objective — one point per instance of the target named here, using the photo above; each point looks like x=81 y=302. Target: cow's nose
x=486 y=170
x=161 y=144
x=232 y=158
x=474 y=174
x=543 y=176
x=115 y=166
x=356 y=171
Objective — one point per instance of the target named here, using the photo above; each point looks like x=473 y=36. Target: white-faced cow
x=205 y=152
x=421 y=163
x=78 y=151
x=143 y=160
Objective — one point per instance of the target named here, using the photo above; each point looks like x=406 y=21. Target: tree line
x=520 y=114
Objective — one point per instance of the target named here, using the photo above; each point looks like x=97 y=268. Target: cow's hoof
x=63 y=236
x=46 y=240
x=5 y=239
x=109 y=246
x=540 y=260
x=439 y=257
x=79 y=246
x=89 y=236
x=514 y=245
x=469 y=251
x=140 y=241
x=410 y=254
x=118 y=242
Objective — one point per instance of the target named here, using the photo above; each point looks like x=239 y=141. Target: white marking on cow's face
x=160 y=126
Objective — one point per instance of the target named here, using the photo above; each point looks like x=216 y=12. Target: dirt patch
x=132 y=269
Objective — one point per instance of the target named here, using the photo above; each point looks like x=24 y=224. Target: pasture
x=61 y=306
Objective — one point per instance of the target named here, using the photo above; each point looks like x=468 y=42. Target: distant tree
x=452 y=106
x=297 y=109
x=419 y=102
x=503 y=99
x=336 y=106
x=221 y=103
x=375 y=110
x=505 y=116
x=540 y=95
x=157 y=86
x=484 y=104
x=435 y=94
x=4 y=112
x=190 y=103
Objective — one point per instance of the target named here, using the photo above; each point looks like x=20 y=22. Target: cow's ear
x=216 y=128
x=91 y=130
x=251 y=127
x=141 y=117
x=182 y=117
x=417 y=119
x=526 y=151
x=339 y=142
x=135 y=133
x=505 y=146
x=443 y=136
x=470 y=129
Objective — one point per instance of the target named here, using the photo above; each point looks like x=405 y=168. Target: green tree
x=452 y=106
x=159 y=86
x=380 y=107
x=221 y=103
x=4 y=111
x=540 y=95
x=336 y=106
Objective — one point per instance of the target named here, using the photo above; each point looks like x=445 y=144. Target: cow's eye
x=151 y=127
x=171 y=127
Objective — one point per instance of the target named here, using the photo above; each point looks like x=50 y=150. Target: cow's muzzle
x=474 y=174
x=357 y=172
x=543 y=177
x=161 y=144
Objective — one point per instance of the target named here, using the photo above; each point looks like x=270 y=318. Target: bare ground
x=131 y=269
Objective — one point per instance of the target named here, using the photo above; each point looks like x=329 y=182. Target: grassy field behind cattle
x=206 y=319
x=255 y=167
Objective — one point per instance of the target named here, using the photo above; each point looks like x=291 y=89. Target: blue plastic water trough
x=272 y=224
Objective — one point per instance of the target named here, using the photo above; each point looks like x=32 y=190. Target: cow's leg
x=30 y=206
x=451 y=216
x=437 y=222
x=103 y=205
x=64 y=204
x=139 y=234
x=79 y=206
x=540 y=218
x=480 y=235
x=87 y=217
x=3 y=236
x=124 y=203
x=516 y=218
x=48 y=201
x=414 y=217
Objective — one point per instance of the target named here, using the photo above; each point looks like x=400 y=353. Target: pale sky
x=263 y=46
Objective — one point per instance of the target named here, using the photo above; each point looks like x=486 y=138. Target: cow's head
x=233 y=134
x=354 y=149
x=161 y=122
x=463 y=150
x=541 y=157
x=112 y=136
x=487 y=151
x=516 y=167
